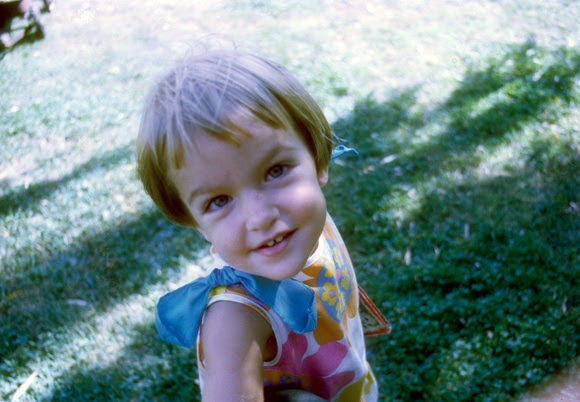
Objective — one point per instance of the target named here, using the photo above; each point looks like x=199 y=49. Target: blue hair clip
x=340 y=150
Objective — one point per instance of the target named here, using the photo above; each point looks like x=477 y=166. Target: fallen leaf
x=408 y=257
x=388 y=159
x=77 y=302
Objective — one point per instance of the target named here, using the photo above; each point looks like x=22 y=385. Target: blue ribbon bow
x=179 y=312
x=340 y=150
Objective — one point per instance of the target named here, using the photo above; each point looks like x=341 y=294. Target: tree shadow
x=526 y=83
x=502 y=301
x=500 y=99
x=358 y=184
x=99 y=272
x=477 y=276
x=25 y=198
x=147 y=369
x=492 y=103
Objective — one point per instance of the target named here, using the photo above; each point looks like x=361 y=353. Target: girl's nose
x=260 y=212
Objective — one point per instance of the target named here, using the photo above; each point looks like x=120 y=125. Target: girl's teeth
x=276 y=240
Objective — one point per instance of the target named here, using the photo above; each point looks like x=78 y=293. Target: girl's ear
x=323 y=176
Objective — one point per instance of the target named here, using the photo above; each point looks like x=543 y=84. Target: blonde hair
x=202 y=94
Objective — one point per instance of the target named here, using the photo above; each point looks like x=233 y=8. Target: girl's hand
x=235 y=345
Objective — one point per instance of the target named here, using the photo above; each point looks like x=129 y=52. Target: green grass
x=461 y=212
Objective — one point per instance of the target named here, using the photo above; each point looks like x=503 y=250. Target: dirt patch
x=563 y=386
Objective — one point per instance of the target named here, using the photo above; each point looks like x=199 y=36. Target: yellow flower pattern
x=335 y=281
x=331 y=293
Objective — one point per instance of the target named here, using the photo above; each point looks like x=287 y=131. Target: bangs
x=206 y=94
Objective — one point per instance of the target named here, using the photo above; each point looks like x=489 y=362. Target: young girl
x=231 y=144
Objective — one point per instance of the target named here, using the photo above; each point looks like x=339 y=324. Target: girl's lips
x=276 y=246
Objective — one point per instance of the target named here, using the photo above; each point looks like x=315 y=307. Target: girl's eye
x=276 y=171
x=217 y=202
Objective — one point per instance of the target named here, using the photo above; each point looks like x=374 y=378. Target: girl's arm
x=235 y=340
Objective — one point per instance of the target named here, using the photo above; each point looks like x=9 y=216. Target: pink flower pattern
x=308 y=370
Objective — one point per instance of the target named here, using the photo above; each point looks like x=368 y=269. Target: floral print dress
x=331 y=360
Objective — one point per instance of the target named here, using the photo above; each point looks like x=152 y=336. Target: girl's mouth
x=276 y=245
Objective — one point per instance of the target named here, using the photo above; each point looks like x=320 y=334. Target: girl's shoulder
x=235 y=340
x=234 y=324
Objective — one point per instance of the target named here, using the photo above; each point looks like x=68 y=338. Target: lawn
x=461 y=212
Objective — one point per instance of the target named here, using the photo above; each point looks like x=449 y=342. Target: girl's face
x=258 y=202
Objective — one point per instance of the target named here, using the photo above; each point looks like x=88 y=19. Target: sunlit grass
x=460 y=212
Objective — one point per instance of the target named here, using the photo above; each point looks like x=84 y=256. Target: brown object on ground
x=28 y=11
x=563 y=386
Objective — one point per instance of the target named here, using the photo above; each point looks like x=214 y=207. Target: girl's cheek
x=303 y=196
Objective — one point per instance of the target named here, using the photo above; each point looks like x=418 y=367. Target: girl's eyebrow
x=194 y=193
x=274 y=151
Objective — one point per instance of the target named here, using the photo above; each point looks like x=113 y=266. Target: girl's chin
x=276 y=273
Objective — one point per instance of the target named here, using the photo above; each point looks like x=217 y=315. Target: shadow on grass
x=526 y=84
x=485 y=303
x=144 y=370
x=492 y=312
x=490 y=103
x=26 y=198
x=478 y=276
x=99 y=272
